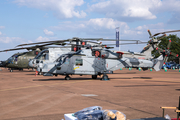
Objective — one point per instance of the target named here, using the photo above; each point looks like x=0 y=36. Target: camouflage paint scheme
x=20 y=60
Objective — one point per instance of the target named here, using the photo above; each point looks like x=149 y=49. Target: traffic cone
x=173 y=68
x=36 y=73
x=165 y=69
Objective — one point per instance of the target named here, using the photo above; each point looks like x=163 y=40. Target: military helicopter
x=95 y=62
x=98 y=61
x=19 y=61
x=50 y=54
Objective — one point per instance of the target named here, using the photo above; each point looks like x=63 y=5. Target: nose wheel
x=67 y=77
x=94 y=76
x=11 y=70
x=105 y=77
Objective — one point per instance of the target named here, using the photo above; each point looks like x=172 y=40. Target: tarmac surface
x=138 y=94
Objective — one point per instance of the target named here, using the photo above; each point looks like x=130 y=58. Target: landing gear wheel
x=94 y=76
x=67 y=77
x=105 y=77
x=39 y=73
x=21 y=69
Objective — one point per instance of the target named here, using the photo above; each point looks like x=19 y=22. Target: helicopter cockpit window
x=43 y=55
x=79 y=62
x=15 y=57
x=61 y=58
x=11 y=59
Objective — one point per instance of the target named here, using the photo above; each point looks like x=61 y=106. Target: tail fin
x=149 y=48
x=158 y=63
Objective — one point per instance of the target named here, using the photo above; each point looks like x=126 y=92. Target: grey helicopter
x=98 y=61
x=50 y=54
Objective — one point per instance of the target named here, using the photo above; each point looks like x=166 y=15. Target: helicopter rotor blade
x=42 y=42
x=169 y=44
x=91 y=39
x=28 y=48
x=165 y=58
x=174 y=54
x=150 y=33
x=159 y=38
x=159 y=49
x=33 y=47
x=165 y=32
x=116 y=40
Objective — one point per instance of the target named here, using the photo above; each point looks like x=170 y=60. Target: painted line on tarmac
x=41 y=85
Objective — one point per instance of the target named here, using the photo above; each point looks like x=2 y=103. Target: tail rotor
x=167 y=52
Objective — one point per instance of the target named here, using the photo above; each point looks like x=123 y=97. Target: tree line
x=175 y=47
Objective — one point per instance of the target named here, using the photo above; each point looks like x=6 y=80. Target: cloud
x=126 y=9
x=41 y=39
x=61 y=8
x=10 y=39
x=135 y=10
x=49 y=33
x=92 y=25
x=107 y=23
x=100 y=27
x=2 y=27
x=0 y=33
x=105 y=28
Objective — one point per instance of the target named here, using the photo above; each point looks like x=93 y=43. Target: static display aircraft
x=19 y=61
x=95 y=62
x=52 y=53
x=98 y=61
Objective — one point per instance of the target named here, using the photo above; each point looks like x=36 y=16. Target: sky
x=27 y=21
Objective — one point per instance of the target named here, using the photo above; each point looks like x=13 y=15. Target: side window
x=79 y=62
x=47 y=56
x=67 y=61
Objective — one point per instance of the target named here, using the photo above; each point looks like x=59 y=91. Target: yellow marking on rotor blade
x=76 y=68
x=41 y=85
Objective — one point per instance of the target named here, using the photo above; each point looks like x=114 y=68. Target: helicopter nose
x=2 y=63
x=31 y=63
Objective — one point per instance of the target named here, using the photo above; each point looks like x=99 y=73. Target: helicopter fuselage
x=86 y=63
